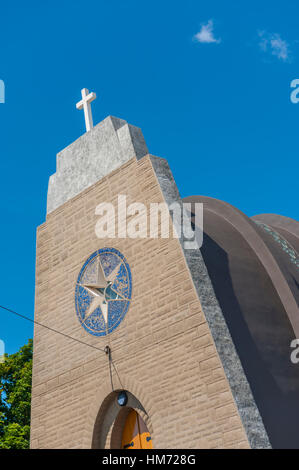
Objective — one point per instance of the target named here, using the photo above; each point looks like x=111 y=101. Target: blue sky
x=207 y=81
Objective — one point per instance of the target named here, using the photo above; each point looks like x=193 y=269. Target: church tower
x=131 y=348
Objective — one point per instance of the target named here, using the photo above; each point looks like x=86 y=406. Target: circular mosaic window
x=103 y=291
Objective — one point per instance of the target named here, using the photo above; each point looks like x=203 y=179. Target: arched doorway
x=135 y=433
x=117 y=426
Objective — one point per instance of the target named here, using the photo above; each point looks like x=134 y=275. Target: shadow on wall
x=262 y=334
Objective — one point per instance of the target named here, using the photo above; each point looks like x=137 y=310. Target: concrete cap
x=94 y=155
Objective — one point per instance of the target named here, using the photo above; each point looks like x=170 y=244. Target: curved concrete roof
x=256 y=278
x=288 y=228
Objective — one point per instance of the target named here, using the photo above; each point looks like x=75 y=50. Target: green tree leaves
x=15 y=398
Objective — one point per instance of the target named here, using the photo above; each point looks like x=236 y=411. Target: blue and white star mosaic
x=115 y=296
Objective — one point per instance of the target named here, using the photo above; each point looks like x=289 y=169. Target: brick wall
x=163 y=350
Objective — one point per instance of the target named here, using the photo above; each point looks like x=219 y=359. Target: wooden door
x=135 y=433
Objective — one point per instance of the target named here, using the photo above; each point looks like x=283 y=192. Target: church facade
x=143 y=343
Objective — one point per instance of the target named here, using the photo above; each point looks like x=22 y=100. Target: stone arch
x=106 y=418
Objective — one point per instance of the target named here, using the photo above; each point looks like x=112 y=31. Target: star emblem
x=102 y=292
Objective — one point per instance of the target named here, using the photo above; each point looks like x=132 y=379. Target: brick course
x=163 y=351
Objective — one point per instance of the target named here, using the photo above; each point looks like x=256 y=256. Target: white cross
x=87 y=98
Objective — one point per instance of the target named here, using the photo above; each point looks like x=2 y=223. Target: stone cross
x=84 y=104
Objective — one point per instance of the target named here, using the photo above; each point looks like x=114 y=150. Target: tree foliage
x=15 y=398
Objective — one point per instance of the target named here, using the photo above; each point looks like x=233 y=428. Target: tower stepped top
x=94 y=155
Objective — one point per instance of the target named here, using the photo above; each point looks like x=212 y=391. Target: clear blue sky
x=207 y=81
